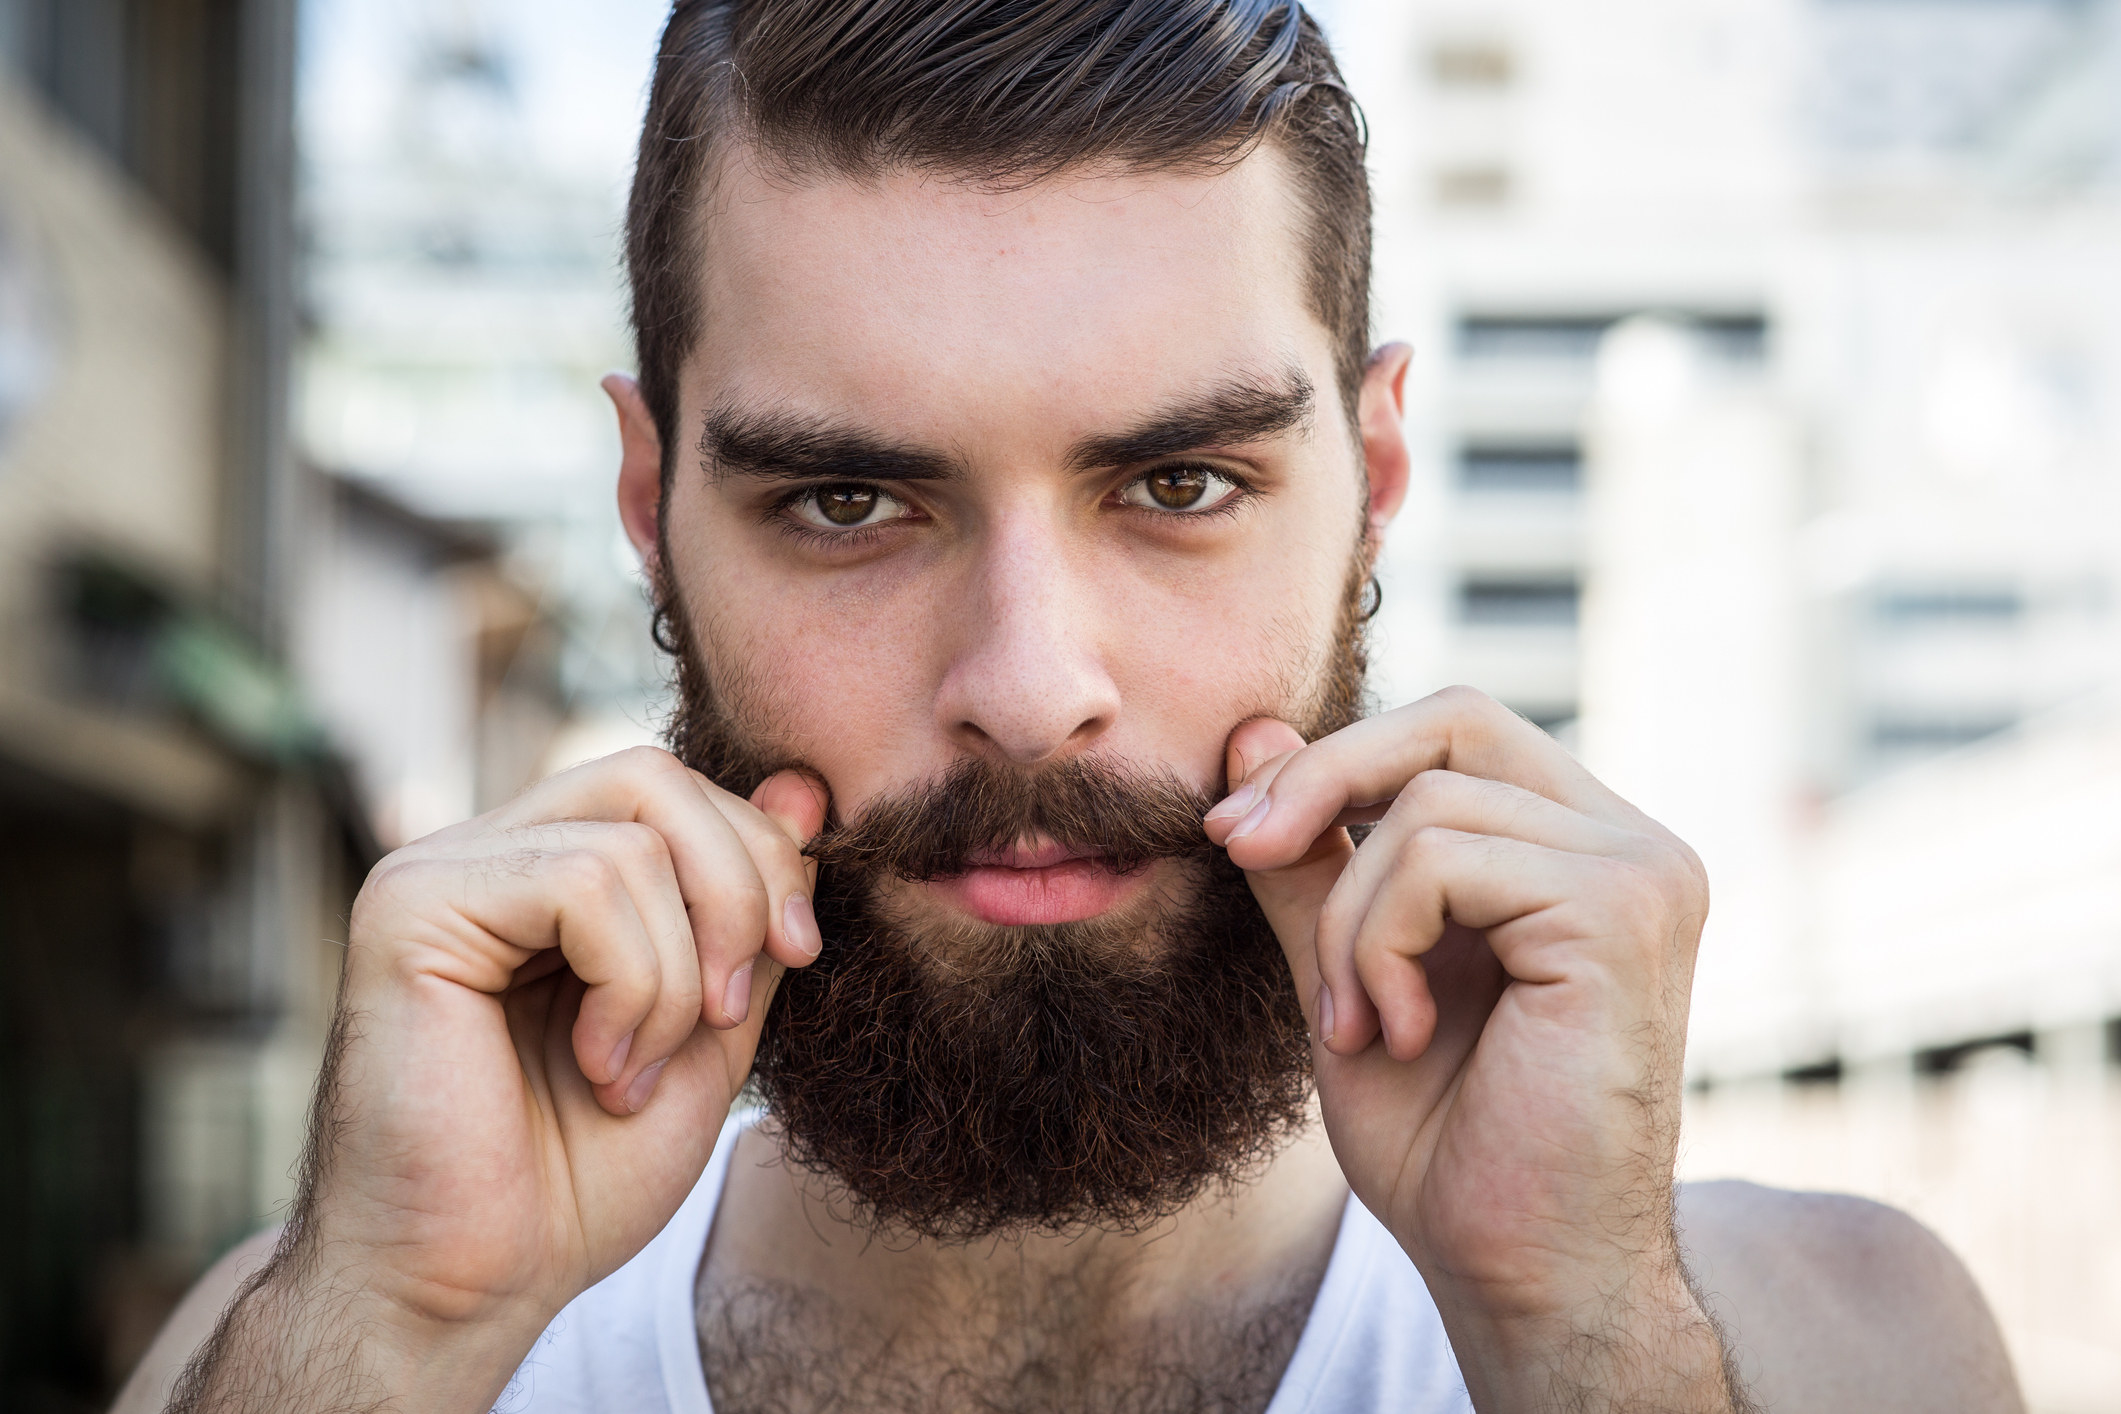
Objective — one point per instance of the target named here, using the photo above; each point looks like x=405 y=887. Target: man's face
x=1026 y=484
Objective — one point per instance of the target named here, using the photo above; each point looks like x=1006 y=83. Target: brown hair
x=996 y=91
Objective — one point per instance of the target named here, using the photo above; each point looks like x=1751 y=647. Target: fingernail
x=801 y=926
x=618 y=1056
x=1325 y=1014
x=1254 y=819
x=1235 y=802
x=736 y=999
x=643 y=1086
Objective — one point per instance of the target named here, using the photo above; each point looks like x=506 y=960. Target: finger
x=1454 y=801
x=1253 y=756
x=722 y=850
x=642 y=860
x=601 y=933
x=788 y=808
x=1485 y=882
x=734 y=910
x=1364 y=766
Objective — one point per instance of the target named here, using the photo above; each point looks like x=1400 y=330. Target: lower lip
x=1059 y=893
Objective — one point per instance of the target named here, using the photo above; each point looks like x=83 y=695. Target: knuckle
x=1680 y=870
x=1640 y=899
x=641 y=844
x=1471 y=702
x=1336 y=926
x=1428 y=791
x=651 y=768
x=736 y=911
x=1428 y=845
x=394 y=886
x=584 y=872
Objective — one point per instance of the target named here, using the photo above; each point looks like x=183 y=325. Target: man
x=1010 y=462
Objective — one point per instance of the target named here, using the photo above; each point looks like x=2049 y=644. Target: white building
x=1844 y=520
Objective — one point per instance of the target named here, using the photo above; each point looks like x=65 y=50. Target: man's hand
x=519 y=1091
x=1497 y=979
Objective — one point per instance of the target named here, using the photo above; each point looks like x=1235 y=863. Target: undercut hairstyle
x=1000 y=93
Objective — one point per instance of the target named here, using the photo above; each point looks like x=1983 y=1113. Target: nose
x=1027 y=681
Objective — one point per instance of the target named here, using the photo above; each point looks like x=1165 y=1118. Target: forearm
x=1647 y=1346
x=299 y=1337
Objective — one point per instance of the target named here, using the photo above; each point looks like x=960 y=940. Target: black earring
x=1373 y=599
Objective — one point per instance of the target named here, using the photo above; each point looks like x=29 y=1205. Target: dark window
x=1471 y=65
x=1519 y=603
x=1531 y=336
x=1732 y=338
x=1943 y=1060
x=1549 y=719
x=1970 y=605
x=1549 y=467
x=1473 y=186
x=1938 y=733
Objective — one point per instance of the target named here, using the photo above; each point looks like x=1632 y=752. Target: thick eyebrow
x=783 y=446
x=1243 y=410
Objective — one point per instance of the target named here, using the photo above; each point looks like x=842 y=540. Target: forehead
x=954 y=313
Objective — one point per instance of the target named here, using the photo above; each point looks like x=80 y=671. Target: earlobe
x=640 y=465
x=1384 y=439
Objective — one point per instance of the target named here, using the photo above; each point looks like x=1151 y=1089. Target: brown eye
x=849 y=505
x=1179 y=488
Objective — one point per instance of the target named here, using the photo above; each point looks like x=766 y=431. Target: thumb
x=1256 y=744
x=1292 y=895
x=794 y=800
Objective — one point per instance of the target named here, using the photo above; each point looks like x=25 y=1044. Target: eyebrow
x=784 y=446
x=788 y=446
x=1243 y=410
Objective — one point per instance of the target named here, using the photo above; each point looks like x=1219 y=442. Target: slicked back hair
x=996 y=92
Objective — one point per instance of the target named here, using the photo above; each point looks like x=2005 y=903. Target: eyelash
x=781 y=511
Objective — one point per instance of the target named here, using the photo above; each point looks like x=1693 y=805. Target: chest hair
x=771 y=1348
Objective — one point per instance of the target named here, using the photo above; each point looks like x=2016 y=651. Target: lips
x=1035 y=881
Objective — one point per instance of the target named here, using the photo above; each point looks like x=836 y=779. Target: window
x=1471 y=64
x=1531 y=336
x=1547 y=468
x=1528 y=602
x=1477 y=186
x=1729 y=338
x=1939 y=733
x=1950 y=606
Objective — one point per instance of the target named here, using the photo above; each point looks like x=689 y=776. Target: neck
x=1241 y=1247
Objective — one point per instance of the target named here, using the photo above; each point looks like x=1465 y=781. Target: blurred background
x=1767 y=403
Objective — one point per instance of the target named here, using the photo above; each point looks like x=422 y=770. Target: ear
x=1380 y=413
x=640 y=465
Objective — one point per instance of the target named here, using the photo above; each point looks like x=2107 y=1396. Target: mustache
x=932 y=830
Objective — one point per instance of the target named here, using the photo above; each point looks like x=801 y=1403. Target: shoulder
x=148 y=1388
x=1837 y=1303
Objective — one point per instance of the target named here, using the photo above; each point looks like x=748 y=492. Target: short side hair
x=995 y=91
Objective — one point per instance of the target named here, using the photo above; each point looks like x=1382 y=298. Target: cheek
x=830 y=682
x=1220 y=644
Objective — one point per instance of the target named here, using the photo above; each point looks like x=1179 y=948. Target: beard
x=963 y=1079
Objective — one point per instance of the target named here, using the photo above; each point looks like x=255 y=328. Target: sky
x=580 y=68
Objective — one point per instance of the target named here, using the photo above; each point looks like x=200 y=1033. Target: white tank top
x=1372 y=1343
